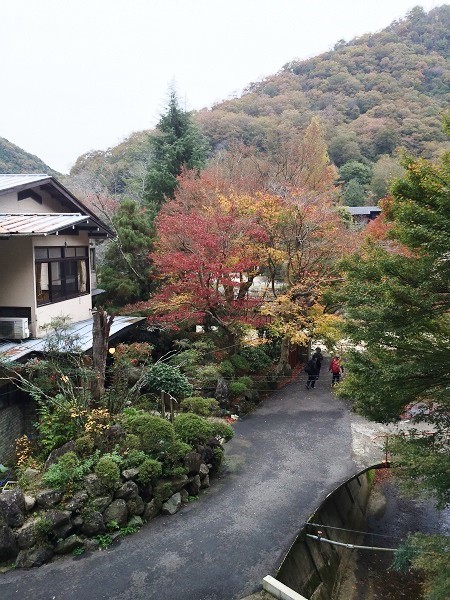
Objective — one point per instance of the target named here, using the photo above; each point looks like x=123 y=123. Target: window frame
x=68 y=266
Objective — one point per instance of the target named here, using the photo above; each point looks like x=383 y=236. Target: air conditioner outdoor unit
x=14 y=328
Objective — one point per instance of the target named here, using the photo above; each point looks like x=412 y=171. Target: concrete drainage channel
x=312 y=570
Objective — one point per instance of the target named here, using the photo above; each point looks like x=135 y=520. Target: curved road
x=284 y=459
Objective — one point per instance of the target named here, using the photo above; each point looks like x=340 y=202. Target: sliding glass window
x=61 y=273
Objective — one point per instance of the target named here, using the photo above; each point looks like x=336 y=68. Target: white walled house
x=46 y=237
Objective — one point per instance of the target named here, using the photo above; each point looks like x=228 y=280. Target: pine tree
x=177 y=145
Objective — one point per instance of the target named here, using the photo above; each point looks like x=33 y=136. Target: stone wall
x=313 y=568
x=17 y=415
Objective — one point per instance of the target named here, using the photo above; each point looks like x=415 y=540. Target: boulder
x=31 y=475
x=102 y=503
x=77 y=521
x=78 y=500
x=192 y=462
x=205 y=482
x=92 y=484
x=30 y=502
x=221 y=393
x=152 y=508
x=172 y=505
x=12 y=507
x=178 y=483
x=27 y=535
x=135 y=522
x=8 y=544
x=93 y=523
x=135 y=506
x=68 y=545
x=127 y=490
x=130 y=474
x=91 y=545
x=58 y=452
x=208 y=455
x=34 y=557
x=193 y=487
x=204 y=471
x=48 y=498
x=184 y=496
x=163 y=491
x=117 y=511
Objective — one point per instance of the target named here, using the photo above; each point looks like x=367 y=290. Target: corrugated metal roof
x=37 y=223
x=82 y=330
x=362 y=210
x=11 y=180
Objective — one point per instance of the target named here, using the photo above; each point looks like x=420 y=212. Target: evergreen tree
x=177 y=144
x=126 y=272
x=397 y=305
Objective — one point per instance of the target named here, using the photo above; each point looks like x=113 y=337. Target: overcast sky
x=80 y=75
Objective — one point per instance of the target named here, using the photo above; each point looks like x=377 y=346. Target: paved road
x=284 y=459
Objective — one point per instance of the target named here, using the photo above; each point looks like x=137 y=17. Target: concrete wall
x=312 y=568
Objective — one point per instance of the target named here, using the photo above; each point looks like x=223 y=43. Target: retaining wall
x=312 y=568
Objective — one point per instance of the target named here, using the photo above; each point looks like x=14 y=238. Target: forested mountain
x=15 y=160
x=373 y=94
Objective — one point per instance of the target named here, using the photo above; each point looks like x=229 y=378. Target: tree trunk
x=283 y=367
x=100 y=337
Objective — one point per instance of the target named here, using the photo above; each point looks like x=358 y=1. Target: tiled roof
x=37 y=223
x=10 y=181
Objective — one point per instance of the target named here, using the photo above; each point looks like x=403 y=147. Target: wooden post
x=172 y=414
x=101 y=327
x=163 y=405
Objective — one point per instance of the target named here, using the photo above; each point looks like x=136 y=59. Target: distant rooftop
x=363 y=210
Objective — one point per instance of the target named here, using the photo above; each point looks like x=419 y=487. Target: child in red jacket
x=336 y=369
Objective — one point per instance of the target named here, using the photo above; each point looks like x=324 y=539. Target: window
x=61 y=273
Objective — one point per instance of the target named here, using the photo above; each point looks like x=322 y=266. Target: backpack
x=335 y=367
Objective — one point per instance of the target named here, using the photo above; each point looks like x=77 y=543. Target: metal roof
x=82 y=330
x=363 y=210
x=37 y=223
x=10 y=181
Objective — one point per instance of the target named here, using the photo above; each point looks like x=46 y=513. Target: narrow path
x=284 y=459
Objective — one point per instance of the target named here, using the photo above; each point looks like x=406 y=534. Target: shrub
x=156 y=435
x=65 y=472
x=107 y=471
x=226 y=368
x=132 y=442
x=192 y=429
x=240 y=363
x=163 y=377
x=199 y=406
x=178 y=451
x=59 y=423
x=222 y=430
x=84 y=445
x=256 y=357
x=149 y=470
x=239 y=386
x=218 y=459
x=134 y=458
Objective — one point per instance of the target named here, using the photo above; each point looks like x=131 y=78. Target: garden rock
x=93 y=524
x=193 y=487
x=12 y=507
x=30 y=502
x=35 y=557
x=192 y=462
x=77 y=521
x=60 y=521
x=135 y=522
x=163 y=491
x=68 y=545
x=221 y=393
x=147 y=491
x=135 y=506
x=205 y=483
x=208 y=455
x=48 y=498
x=8 y=544
x=26 y=535
x=172 y=505
x=102 y=503
x=152 y=509
x=126 y=491
x=184 y=496
x=178 y=483
x=115 y=433
x=130 y=474
x=117 y=511
x=58 y=452
x=31 y=474
x=92 y=484
x=91 y=545
x=77 y=502
x=204 y=471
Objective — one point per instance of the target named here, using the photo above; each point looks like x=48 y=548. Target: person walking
x=336 y=369
x=318 y=356
x=312 y=371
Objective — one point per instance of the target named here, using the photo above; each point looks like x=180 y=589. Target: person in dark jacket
x=319 y=358
x=312 y=371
